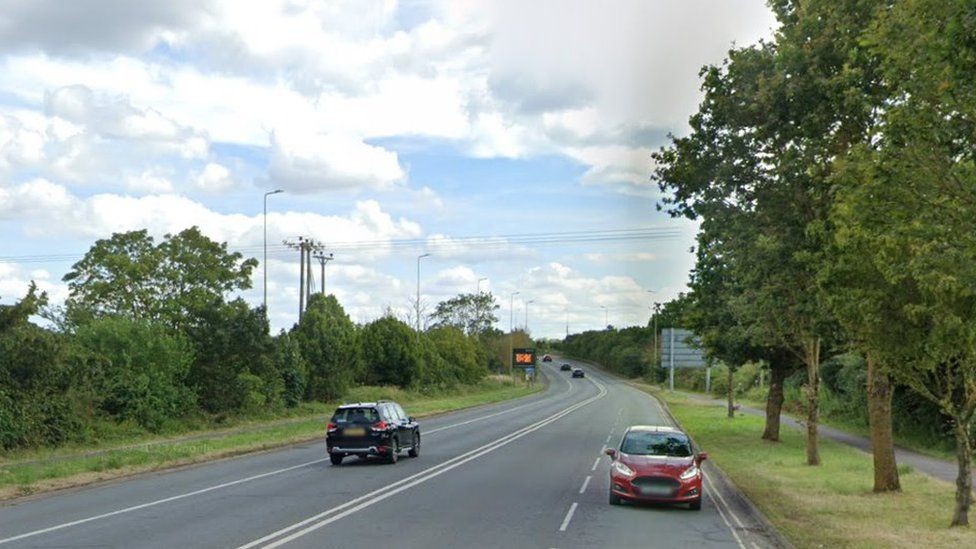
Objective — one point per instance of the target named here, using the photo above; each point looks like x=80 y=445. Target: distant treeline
x=147 y=339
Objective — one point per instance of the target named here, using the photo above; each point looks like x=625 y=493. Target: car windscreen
x=356 y=415
x=656 y=444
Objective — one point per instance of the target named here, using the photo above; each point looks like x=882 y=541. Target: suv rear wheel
x=336 y=459
x=394 y=451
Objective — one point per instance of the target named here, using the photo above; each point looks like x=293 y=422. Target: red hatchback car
x=656 y=464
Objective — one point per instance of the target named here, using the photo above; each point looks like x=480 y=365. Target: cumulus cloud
x=214 y=178
x=73 y=28
x=49 y=209
x=308 y=161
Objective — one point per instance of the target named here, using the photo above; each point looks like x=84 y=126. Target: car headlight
x=690 y=473
x=622 y=468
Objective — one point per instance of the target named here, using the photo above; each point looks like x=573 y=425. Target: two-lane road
x=527 y=473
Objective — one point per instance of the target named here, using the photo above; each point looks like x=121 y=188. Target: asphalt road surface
x=526 y=473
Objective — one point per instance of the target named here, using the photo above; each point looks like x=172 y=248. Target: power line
x=483 y=242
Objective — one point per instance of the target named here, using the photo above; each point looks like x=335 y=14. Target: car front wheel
x=415 y=449
x=695 y=505
x=614 y=498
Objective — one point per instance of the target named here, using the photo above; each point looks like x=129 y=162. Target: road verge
x=827 y=506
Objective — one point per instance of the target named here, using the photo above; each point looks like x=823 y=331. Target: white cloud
x=307 y=161
x=149 y=181
x=15 y=280
x=214 y=178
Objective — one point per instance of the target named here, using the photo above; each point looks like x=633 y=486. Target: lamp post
x=265 y=264
x=527 y=303
x=606 y=316
x=657 y=309
x=511 y=330
x=419 y=257
x=480 y=280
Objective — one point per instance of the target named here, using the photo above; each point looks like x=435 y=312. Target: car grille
x=656 y=482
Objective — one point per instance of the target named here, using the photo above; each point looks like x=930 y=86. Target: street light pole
x=265 y=264
x=527 y=303
x=511 y=330
x=657 y=308
x=419 y=257
x=606 y=315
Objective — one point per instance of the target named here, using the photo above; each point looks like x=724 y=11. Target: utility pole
x=323 y=259
x=305 y=247
x=527 y=303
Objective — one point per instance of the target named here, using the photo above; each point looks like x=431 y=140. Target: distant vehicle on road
x=565 y=367
x=366 y=429
x=546 y=358
x=656 y=463
x=578 y=372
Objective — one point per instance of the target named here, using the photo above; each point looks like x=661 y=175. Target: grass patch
x=27 y=472
x=827 y=506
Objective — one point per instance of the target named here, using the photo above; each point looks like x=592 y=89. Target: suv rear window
x=356 y=415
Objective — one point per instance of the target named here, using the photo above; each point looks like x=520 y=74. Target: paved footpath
x=933 y=466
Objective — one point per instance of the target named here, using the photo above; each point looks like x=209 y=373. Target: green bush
x=139 y=370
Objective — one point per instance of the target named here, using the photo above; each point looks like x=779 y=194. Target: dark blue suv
x=365 y=429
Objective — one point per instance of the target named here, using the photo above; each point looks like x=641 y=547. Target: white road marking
x=569 y=517
x=156 y=502
x=729 y=524
x=603 y=449
x=585 y=484
x=318 y=521
x=608 y=438
x=595 y=464
x=569 y=389
x=711 y=487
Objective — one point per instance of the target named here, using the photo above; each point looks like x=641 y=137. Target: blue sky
x=383 y=121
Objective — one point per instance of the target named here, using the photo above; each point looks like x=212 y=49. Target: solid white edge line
x=569 y=517
x=156 y=502
x=585 y=484
x=413 y=480
x=728 y=507
x=595 y=464
x=728 y=524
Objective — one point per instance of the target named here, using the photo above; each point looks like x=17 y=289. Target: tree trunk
x=812 y=359
x=964 y=481
x=774 y=401
x=731 y=393
x=882 y=441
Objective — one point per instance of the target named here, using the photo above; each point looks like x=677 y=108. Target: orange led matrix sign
x=523 y=358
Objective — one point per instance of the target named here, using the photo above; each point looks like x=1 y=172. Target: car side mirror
x=702 y=456
x=612 y=452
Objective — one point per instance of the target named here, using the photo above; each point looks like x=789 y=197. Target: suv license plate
x=355 y=432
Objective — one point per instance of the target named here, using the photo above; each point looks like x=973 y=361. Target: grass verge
x=25 y=473
x=827 y=506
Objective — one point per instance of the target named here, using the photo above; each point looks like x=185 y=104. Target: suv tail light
x=380 y=425
x=331 y=427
